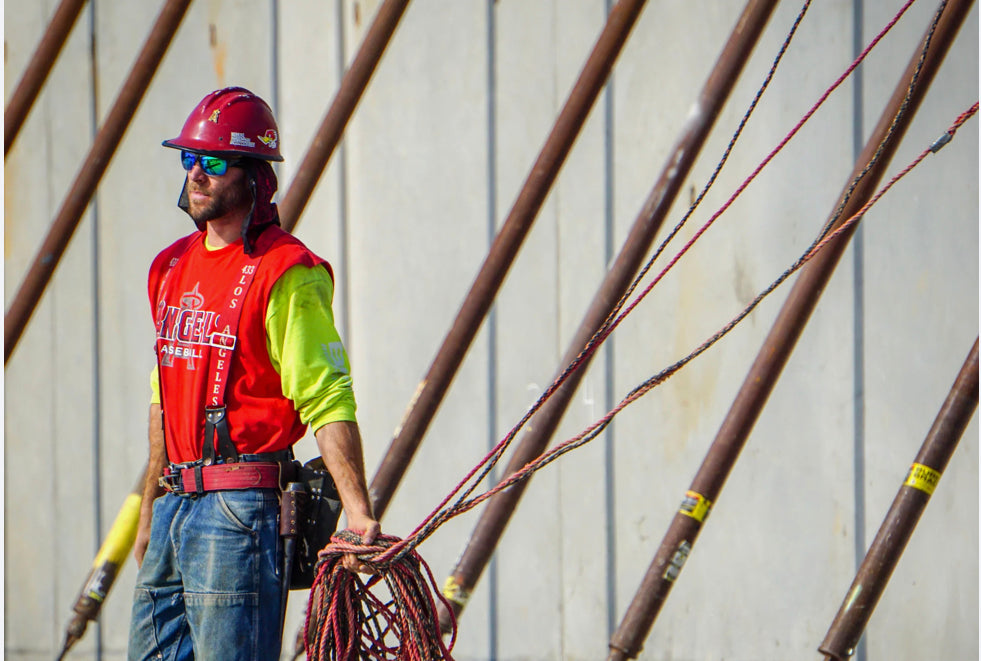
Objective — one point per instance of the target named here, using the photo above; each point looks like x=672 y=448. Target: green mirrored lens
x=213 y=165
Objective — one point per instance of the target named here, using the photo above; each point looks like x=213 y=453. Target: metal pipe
x=91 y=171
x=631 y=258
x=38 y=69
x=331 y=128
x=430 y=393
x=898 y=526
x=724 y=451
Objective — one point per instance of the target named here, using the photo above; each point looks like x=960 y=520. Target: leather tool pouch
x=317 y=508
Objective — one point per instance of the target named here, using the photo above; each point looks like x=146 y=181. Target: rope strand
x=442 y=512
x=639 y=391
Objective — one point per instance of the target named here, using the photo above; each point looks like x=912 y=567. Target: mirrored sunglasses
x=212 y=165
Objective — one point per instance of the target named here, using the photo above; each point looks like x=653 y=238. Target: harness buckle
x=171 y=481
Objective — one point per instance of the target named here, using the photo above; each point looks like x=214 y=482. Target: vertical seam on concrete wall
x=342 y=217
x=557 y=354
x=275 y=81
x=609 y=477
x=554 y=191
x=274 y=60
x=492 y=577
x=858 y=331
x=96 y=331
x=43 y=106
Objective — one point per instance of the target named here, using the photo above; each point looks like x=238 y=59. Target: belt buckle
x=171 y=481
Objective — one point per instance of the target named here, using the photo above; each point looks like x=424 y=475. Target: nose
x=196 y=173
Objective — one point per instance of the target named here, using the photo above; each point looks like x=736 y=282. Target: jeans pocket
x=241 y=508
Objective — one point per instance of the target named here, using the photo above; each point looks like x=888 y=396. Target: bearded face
x=214 y=197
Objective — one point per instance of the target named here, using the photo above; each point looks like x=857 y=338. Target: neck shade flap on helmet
x=262 y=183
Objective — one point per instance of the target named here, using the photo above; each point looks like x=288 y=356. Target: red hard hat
x=228 y=122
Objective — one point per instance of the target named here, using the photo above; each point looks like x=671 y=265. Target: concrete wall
x=439 y=148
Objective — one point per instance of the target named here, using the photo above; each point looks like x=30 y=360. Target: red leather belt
x=220 y=477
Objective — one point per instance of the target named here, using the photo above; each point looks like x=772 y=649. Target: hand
x=140 y=544
x=371 y=529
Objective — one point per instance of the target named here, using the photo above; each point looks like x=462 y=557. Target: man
x=247 y=358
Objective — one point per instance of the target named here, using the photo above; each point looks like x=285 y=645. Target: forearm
x=158 y=457
x=341 y=450
x=151 y=488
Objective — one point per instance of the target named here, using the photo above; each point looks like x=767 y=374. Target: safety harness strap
x=215 y=414
x=222 y=347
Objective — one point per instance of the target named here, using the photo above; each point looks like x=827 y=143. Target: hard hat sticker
x=240 y=140
x=269 y=139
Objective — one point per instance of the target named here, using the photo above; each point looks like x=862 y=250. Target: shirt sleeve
x=154 y=385
x=305 y=348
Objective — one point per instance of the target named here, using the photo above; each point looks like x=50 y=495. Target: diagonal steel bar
x=90 y=173
x=542 y=427
x=897 y=528
x=628 y=640
x=331 y=129
x=503 y=251
x=31 y=82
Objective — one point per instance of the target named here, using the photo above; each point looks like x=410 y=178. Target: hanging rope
x=346 y=619
x=612 y=319
x=822 y=240
x=616 y=316
x=597 y=428
x=487 y=464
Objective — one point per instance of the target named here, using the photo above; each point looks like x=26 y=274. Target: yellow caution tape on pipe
x=923 y=478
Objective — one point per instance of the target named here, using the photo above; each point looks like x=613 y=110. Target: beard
x=218 y=203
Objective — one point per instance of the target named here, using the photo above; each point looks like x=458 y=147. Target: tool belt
x=310 y=507
x=310 y=503
x=257 y=471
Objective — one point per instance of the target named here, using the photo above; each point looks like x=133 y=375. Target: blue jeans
x=209 y=587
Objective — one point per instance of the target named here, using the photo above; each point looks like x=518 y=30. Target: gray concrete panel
x=921 y=318
x=529 y=97
x=745 y=552
x=418 y=233
x=50 y=404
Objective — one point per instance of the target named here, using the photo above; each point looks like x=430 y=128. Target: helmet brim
x=229 y=154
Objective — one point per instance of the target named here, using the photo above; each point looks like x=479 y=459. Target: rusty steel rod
x=670 y=557
x=897 y=528
x=91 y=171
x=32 y=80
x=332 y=126
x=503 y=250
x=542 y=427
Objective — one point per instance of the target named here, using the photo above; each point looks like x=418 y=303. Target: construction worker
x=248 y=358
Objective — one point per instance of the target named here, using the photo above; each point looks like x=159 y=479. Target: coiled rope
x=351 y=622
x=346 y=620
